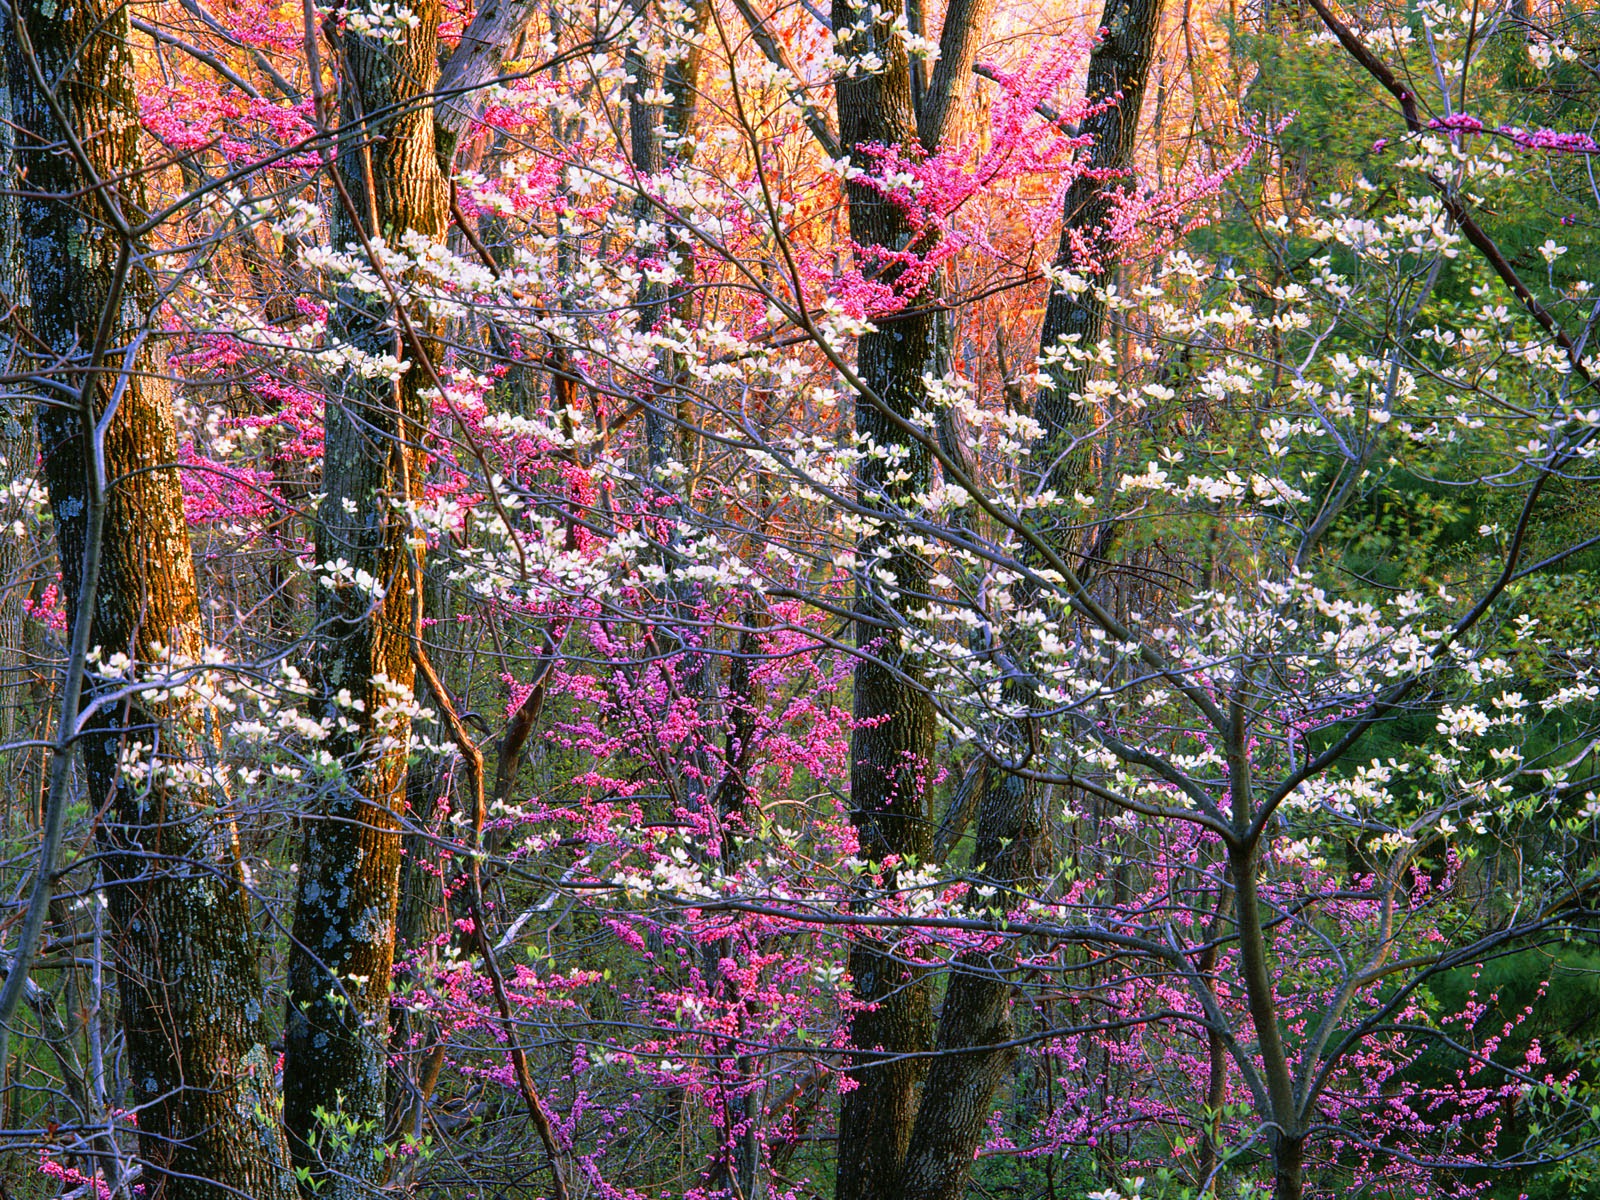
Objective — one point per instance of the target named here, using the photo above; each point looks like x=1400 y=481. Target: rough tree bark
x=185 y=951
x=476 y=62
x=17 y=451
x=892 y=746
x=1119 y=65
x=390 y=182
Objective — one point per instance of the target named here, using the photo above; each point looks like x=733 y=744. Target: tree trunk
x=892 y=746
x=976 y=1017
x=1255 y=970
x=474 y=64
x=17 y=450
x=1119 y=63
x=1288 y=1167
x=344 y=927
x=186 y=954
x=1011 y=831
x=1210 y=1156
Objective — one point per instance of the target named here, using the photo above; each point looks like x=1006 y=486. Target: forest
x=758 y=600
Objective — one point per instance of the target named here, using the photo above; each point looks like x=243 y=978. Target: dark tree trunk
x=185 y=950
x=340 y=964
x=892 y=746
x=1255 y=971
x=1011 y=834
x=1288 y=1168
x=1119 y=63
x=1210 y=1156
x=976 y=1017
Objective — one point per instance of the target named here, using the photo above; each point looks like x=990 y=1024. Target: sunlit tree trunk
x=186 y=954
x=389 y=183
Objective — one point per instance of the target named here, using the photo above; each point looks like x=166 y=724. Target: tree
x=1011 y=829
x=191 y=1001
x=390 y=192
x=891 y=754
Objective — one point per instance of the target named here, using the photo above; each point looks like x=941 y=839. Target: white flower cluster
x=375 y=19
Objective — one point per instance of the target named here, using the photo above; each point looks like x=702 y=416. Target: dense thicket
x=671 y=599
